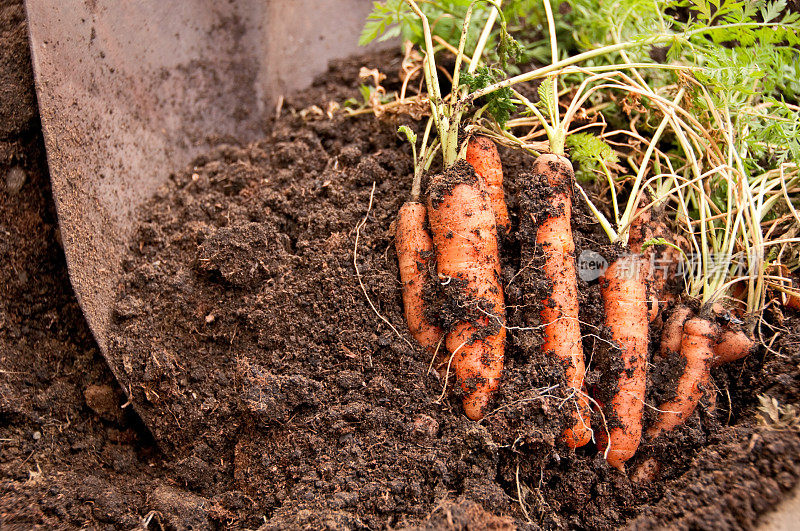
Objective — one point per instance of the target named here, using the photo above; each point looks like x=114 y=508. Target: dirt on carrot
x=273 y=390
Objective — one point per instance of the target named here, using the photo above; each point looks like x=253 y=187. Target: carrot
x=697 y=347
x=672 y=332
x=732 y=345
x=562 y=334
x=657 y=263
x=640 y=232
x=483 y=156
x=465 y=238
x=623 y=292
x=414 y=254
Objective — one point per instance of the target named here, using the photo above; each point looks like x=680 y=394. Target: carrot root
x=625 y=302
x=697 y=347
x=672 y=332
x=562 y=334
x=414 y=248
x=465 y=238
x=482 y=155
x=732 y=346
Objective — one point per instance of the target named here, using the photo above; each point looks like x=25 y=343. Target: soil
x=275 y=396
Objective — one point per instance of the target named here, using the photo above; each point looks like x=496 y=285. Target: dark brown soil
x=275 y=394
x=70 y=457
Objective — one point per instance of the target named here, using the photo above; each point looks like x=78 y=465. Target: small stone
x=15 y=179
x=210 y=318
x=37 y=435
x=426 y=426
x=104 y=401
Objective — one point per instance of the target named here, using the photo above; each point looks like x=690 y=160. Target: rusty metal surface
x=130 y=91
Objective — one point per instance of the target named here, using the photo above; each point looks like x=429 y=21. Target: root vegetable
x=482 y=154
x=414 y=254
x=732 y=345
x=465 y=238
x=656 y=264
x=697 y=347
x=640 y=232
x=562 y=334
x=672 y=332
x=624 y=299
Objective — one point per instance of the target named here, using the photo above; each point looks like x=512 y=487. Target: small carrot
x=672 y=332
x=465 y=238
x=562 y=333
x=732 y=346
x=482 y=154
x=697 y=348
x=624 y=300
x=414 y=255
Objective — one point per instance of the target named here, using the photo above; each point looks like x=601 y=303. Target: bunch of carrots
x=451 y=235
x=455 y=232
x=448 y=237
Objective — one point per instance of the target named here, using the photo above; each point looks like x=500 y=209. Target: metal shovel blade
x=130 y=91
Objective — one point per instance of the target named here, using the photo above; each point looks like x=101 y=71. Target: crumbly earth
x=248 y=335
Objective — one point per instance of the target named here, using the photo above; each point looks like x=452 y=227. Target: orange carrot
x=624 y=299
x=562 y=334
x=732 y=346
x=414 y=254
x=640 y=232
x=657 y=263
x=483 y=156
x=697 y=347
x=672 y=332
x=465 y=238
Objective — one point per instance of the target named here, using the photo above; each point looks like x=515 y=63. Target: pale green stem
x=484 y=38
x=604 y=223
x=551 y=27
x=627 y=216
x=597 y=52
x=461 y=44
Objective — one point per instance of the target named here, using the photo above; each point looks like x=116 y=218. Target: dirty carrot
x=562 y=334
x=482 y=154
x=465 y=238
x=624 y=299
x=640 y=232
x=732 y=345
x=697 y=348
x=414 y=254
x=672 y=332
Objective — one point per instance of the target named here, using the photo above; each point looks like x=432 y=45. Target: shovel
x=130 y=91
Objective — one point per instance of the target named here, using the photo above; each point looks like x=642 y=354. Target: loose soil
x=249 y=343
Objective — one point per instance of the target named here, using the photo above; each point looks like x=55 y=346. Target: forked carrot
x=562 y=333
x=697 y=348
x=414 y=255
x=624 y=300
x=482 y=154
x=465 y=238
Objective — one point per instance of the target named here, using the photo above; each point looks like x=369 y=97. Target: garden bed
x=251 y=351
